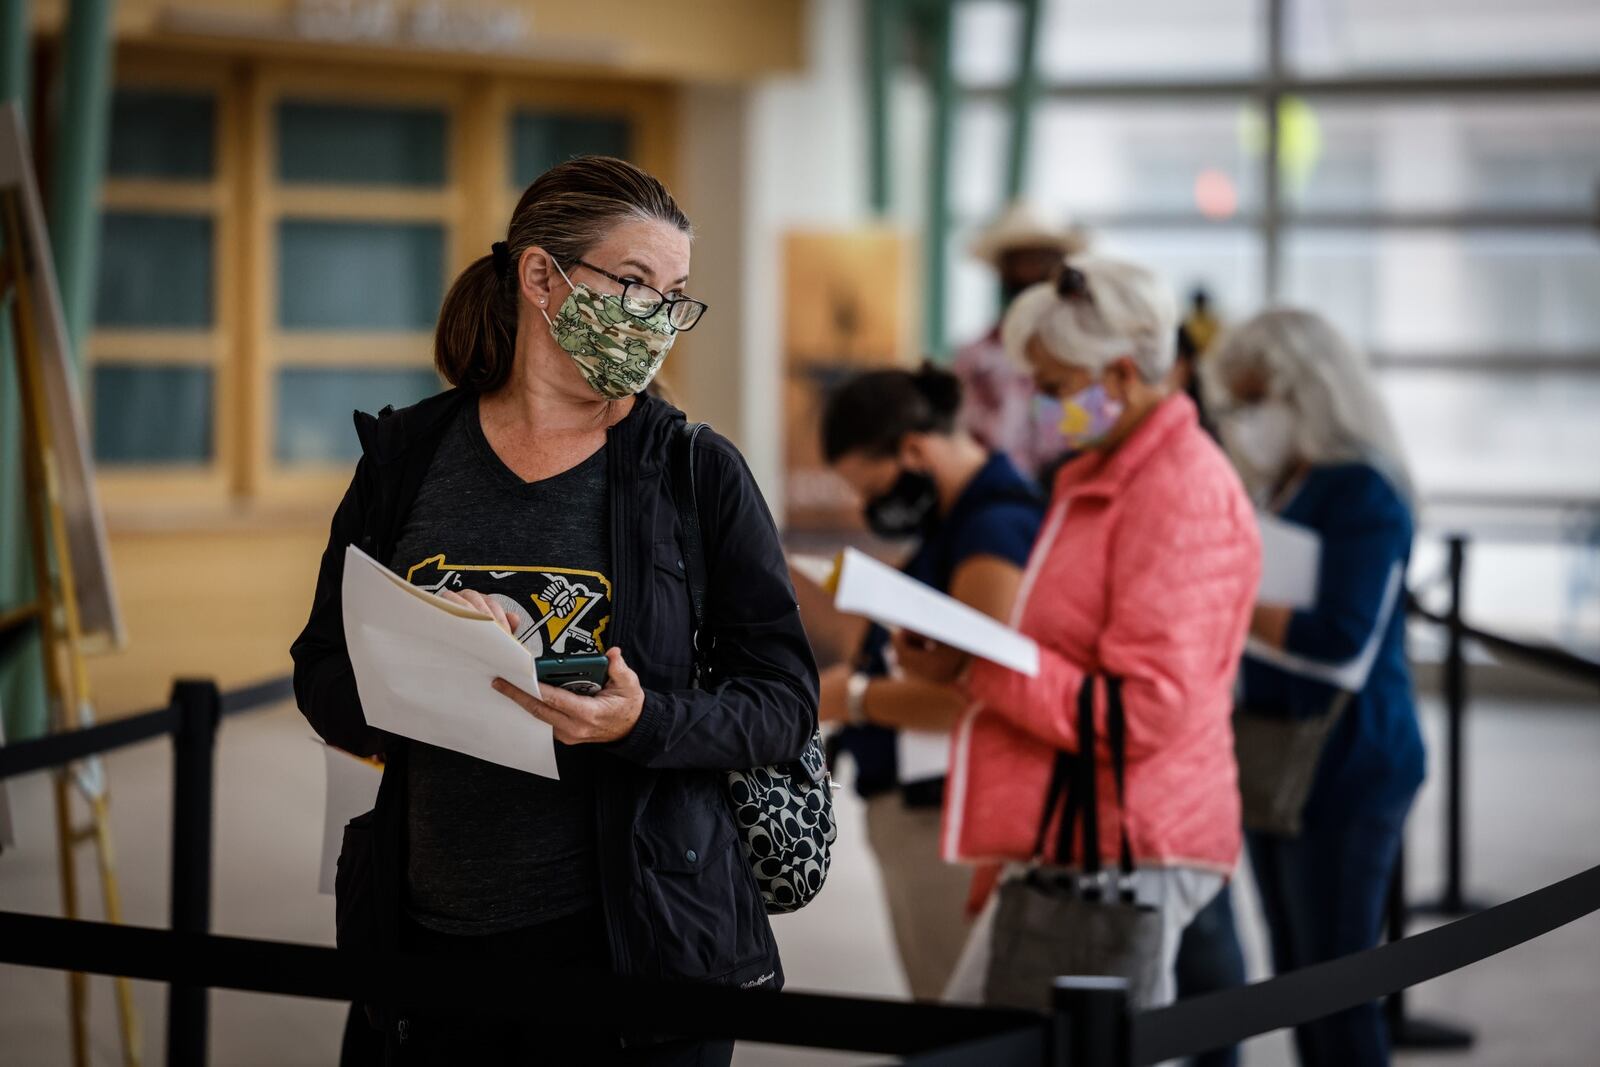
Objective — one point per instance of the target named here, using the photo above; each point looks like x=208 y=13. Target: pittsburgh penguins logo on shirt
x=561 y=611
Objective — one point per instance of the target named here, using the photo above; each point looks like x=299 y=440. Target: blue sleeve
x=1366 y=542
x=1006 y=531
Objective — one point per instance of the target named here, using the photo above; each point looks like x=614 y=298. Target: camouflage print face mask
x=617 y=354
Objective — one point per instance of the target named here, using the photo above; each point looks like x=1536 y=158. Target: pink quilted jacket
x=1147 y=569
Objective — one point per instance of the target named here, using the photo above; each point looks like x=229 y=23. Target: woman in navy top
x=1303 y=421
x=892 y=435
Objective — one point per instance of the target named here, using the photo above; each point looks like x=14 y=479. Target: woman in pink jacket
x=1146 y=570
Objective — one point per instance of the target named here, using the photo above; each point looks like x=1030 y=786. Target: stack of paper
x=425 y=667
x=890 y=598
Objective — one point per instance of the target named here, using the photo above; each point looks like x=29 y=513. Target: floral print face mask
x=617 y=353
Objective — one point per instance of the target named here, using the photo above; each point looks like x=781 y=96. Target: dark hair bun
x=940 y=388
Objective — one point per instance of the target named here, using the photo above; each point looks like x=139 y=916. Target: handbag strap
x=1116 y=729
x=694 y=557
x=1066 y=791
x=1088 y=788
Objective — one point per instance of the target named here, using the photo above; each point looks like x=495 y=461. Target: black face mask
x=909 y=508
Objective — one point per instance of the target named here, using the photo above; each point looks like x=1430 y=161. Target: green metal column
x=80 y=163
x=21 y=670
x=1024 y=92
x=881 y=22
x=942 y=77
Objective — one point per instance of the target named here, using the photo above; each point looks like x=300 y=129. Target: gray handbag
x=1278 y=759
x=1053 y=921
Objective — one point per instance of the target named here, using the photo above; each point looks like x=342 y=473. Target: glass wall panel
x=1366 y=36
x=1197 y=158
x=1477 y=433
x=1451 y=155
x=337 y=275
x=1452 y=291
x=357 y=144
x=1150 y=39
x=314 y=406
x=541 y=139
x=158 y=133
x=151 y=413
x=155 y=271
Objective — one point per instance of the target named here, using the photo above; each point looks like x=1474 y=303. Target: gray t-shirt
x=491 y=848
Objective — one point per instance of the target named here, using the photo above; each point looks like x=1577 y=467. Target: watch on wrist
x=855 y=693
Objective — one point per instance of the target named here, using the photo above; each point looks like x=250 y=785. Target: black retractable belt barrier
x=199 y=707
x=501 y=988
x=1090 y=1027
x=1227 y=1018
x=55 y=750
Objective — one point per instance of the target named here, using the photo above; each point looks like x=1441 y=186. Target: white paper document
x=352 y=789
x=890 y=598
x=424 y=669
x=1290 y=556
x=922 y=754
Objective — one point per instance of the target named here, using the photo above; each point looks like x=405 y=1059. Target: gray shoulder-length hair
x=1309 y=365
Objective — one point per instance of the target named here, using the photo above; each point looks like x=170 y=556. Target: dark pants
x=566 y=946
x=1324 y=895
x=1210 y=960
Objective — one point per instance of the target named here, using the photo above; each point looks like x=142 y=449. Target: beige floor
x=1535 y=804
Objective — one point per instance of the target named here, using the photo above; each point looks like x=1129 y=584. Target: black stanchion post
x=1452 y=900
x=1091 y=1022
x=199 y=707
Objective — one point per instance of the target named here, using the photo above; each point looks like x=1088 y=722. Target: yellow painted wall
x=222 y=602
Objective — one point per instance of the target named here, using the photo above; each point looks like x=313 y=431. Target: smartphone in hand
x=584 y=675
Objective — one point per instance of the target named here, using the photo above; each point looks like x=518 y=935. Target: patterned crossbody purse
x=784 y=812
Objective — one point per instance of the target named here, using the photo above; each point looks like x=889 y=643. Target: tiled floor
x=1534 y=802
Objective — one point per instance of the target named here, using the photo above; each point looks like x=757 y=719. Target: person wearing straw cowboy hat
x=1024 y=246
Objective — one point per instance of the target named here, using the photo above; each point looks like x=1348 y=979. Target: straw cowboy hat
x=1024 y=225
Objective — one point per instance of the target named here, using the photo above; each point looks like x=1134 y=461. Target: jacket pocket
x=671 y=642
x=706 y=910
x=355 y=888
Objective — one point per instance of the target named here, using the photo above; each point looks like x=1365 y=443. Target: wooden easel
x=55 y=611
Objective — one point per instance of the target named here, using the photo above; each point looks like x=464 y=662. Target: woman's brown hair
x=566 y=211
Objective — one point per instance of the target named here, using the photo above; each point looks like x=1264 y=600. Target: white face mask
x=1261 y=437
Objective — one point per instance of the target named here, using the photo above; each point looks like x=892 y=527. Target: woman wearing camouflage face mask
x=538 y=491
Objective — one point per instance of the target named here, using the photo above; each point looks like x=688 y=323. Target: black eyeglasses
x=643 y=301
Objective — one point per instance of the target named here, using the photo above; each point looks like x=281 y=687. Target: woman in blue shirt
x=1300 y=415
x=892 y=435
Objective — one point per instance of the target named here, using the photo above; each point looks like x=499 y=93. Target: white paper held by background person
x=1290 y=557
x=890 y=598
x=425 y=669
x=352 y=789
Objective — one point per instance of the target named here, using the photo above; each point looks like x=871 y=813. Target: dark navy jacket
x=678 y=896
x=1374 y=756
x=997 y=514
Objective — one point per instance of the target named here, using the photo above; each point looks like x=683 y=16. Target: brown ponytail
x=566 y=211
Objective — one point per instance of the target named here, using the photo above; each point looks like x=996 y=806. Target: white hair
x=1130 y=312
x=1309 y=365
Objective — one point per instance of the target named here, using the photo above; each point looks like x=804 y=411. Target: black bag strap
x=1087 y=786
x=1116 y=729
x=694 y=554
x=1065 y=792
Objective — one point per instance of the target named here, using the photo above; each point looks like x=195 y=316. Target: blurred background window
x=354 y=144
x=541 y=139
x=156 y=285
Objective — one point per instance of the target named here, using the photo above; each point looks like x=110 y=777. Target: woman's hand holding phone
x=609 y=715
